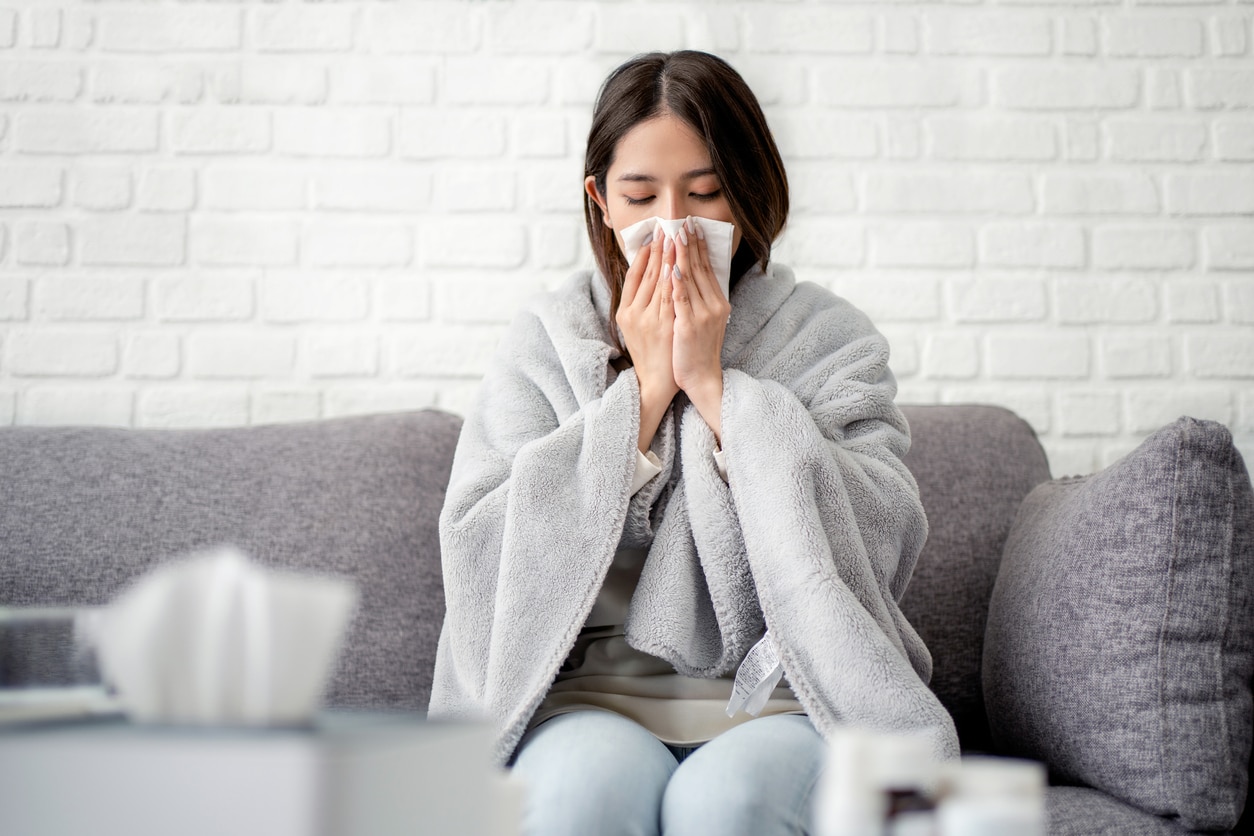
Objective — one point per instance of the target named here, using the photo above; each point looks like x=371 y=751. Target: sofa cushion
x=1119 y=637
x=974 y=465
x=83 y=511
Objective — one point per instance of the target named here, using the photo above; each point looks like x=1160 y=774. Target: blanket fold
x=814 y=534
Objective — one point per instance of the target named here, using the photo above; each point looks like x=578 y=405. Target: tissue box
x=350 y=774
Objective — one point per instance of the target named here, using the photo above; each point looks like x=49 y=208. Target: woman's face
x=661 y=167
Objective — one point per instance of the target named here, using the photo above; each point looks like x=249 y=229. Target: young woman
x=657 y=481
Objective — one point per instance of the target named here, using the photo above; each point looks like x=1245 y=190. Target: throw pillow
x=1120 y=639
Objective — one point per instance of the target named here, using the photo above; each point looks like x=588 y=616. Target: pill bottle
x=986 y=796
x=847 y=801
x=907 y=777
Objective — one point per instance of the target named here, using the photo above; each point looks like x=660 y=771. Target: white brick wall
x=227 y=213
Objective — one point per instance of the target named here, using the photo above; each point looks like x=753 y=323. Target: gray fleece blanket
x=814 y=534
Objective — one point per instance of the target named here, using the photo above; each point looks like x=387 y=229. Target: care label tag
x=759 y=673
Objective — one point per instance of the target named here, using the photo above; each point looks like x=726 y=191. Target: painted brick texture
x=228 y=213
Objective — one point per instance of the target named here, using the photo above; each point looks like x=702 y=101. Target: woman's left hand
x=701 y=312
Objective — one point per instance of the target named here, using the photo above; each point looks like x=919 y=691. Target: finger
x=655 y=266
x=681 y=290
x=666 y=295
x=665 y=262
x=704 y=286
x=682 y=296
x=701 y=257
x=683 y=260
x=635 y=273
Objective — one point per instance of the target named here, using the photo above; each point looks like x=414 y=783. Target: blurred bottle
x=986 y=796
x=877 y=785
x=847 y=800
x=908 y=778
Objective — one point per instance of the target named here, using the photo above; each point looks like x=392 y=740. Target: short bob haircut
x=711 y=97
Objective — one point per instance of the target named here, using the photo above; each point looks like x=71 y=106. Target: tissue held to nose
x=217 y=640
x=718 y=242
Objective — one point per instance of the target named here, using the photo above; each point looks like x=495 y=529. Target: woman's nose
x=674 y=207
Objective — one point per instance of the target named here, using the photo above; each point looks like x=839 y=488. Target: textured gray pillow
x=1119 y=641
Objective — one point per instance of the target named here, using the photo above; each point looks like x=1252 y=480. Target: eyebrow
x=632 y=177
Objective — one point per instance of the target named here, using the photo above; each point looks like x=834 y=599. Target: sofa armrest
x=974 y=464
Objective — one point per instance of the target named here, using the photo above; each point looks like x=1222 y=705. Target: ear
x=590 y=186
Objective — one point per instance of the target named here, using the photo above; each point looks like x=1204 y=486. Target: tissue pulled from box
x=718 y=243
x=218 y=640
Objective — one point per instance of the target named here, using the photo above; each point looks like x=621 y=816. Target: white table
x=349 y=775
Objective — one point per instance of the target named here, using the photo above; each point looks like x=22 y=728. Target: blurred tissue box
x=217 y=640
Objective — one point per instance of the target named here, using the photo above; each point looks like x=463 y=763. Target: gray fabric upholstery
x=1080 y=811
x=1119 y=646
x=85 y=510
x=974 y=464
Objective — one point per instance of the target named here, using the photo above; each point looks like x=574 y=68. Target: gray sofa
x=83 y=511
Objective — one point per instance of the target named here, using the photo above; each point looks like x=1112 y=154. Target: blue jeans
x=593 y=772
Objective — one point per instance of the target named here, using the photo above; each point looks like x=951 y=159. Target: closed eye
x=702 y=196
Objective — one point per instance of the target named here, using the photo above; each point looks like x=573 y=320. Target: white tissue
x=217 y=640
x=718 y=243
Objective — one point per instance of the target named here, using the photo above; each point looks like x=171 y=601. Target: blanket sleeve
x=830 y=519
x=535 y=508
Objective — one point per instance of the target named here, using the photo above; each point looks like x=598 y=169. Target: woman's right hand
x=646 y=315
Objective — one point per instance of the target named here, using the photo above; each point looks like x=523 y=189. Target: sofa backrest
x=83 y=511
x=974 y=465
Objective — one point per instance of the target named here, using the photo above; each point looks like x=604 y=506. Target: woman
x=654 y=476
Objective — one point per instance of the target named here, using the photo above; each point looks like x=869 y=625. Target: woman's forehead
x=664 y=145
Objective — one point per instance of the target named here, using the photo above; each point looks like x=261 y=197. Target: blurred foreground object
x=886 y=784
x=216 y=640
x=348 y=775
x=49 y=666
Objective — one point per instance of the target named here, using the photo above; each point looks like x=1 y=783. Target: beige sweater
x=605 y=673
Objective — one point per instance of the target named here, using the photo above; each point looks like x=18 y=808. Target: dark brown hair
x=711 y=97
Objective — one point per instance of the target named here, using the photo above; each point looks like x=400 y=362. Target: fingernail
x=682 y=236
x=675 y=272
x=700 y=232
x=666 y=248
x=648 y=239
x=691 y=224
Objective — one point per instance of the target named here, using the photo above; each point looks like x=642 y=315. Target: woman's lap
x=757 y=778
x=597 y=772
x=592 y=772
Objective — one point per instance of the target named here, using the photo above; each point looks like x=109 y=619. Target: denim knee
x=757 y=779
x=592 y=772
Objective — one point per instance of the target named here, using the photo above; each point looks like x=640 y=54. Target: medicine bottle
x=907 y=777
x=985 y=796
x=847 y=801
x=877 y=784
